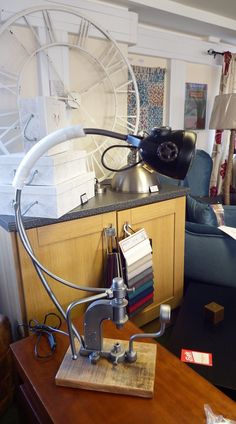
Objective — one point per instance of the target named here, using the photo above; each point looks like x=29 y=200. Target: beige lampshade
x=223 y=116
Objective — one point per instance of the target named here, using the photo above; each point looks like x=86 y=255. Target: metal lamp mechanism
x=168 y=152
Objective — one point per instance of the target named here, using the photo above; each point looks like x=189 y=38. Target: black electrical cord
x=44 y=330
x=112 y=134
x=121 y=169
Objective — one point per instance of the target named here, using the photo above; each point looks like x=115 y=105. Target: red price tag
x=194 y=357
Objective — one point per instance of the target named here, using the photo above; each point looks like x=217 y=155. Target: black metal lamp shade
x=168 y=152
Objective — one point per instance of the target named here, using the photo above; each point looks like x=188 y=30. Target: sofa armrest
x=210 y=255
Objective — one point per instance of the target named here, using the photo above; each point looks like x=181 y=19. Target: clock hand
x=88 y=115
x=67 y=94
x=42 y=50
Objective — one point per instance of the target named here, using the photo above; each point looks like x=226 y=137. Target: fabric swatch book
x=137 y=254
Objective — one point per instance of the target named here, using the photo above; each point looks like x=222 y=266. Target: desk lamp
x=223 y=117
x=166 y=151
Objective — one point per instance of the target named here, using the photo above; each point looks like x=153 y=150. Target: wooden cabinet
x=76 y=251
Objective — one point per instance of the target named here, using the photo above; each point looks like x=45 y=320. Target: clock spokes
x=56 y=53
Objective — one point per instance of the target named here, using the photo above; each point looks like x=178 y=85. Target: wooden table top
x=179 y=395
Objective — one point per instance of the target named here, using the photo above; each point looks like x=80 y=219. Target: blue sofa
x=210 y=254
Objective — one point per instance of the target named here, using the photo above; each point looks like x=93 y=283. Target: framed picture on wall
x=195 y=106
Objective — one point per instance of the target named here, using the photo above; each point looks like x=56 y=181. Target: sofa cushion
x=199 y=212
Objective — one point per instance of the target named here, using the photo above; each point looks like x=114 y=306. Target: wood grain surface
x=135 y=379
x=179 y=392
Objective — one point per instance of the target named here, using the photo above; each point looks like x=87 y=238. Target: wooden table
x=179 y=397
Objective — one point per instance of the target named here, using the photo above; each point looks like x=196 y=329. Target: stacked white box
x=48 y=170
x=55 y=185
x=49 y=201
x=60 y=179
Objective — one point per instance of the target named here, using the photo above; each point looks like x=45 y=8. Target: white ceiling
x=202 y=18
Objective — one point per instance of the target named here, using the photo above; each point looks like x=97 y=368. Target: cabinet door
x=74 y=250
x=164 y=224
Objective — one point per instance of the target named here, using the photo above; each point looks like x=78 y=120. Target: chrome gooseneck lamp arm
x=168 y=152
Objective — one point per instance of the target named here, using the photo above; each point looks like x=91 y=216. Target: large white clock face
x=56 y=52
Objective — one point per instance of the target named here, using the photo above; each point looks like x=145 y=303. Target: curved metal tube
x=27 y=246
x=19 y=181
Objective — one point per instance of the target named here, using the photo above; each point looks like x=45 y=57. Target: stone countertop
x=101 y=203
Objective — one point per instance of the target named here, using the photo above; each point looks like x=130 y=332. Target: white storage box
x=48 y=170
x=49 y=201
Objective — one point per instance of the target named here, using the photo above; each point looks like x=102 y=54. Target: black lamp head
x=168 y=152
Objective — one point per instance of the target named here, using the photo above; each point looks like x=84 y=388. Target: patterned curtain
x=150 y=82
x=221 y=144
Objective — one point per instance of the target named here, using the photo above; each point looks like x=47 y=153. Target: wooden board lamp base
x=136 y=379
